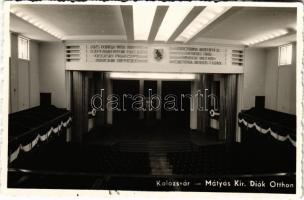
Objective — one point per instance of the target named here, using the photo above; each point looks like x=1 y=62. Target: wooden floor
x=140 y=133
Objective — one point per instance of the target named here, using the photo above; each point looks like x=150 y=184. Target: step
x=143 y=146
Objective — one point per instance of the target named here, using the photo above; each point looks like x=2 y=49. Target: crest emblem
x=158 y=54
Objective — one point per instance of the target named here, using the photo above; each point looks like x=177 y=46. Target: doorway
x=179 y=118
x=123 y=90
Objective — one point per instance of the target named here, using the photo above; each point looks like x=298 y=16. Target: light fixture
x=39 y=25
x=206 y=17
x=151 y=76
x=265 y=37
x=173 y=18
x=143 y=15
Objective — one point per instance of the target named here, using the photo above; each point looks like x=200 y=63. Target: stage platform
x=160 y=133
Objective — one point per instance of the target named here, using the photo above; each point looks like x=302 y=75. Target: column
x=141 y=92
x=228 y=103
x=222 y=100
x=231 y=98
x=99 y=88
x=240 y=84
x=109 y=92
x=68 y=79
x=79 y=105
x=203 y=115
x=194 y=104
x=159 y=92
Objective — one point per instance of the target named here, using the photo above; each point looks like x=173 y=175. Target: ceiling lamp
x=206 y=17
x=151 y=76
x=173 y=18
x=143 y=15
x=265 y=37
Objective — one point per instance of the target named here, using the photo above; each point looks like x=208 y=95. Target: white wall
x=31 y=88
x=34 y=74
x=280 y=83
x=13 y=71
x=52 y=72
x=263 y=77
x=271 y=80
x=254 y=76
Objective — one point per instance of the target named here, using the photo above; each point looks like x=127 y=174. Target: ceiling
x=246 y=23
x=114 y=23
x=20 y=26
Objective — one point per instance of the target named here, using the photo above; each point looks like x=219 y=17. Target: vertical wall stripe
x=193 y=105
x=222 y=107
x=204 y=119
x=231 y=89
x=141 y=92
x=79 y=105
x=109 y=92
x=159 y=92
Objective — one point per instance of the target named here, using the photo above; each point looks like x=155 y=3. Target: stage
x=159 y=133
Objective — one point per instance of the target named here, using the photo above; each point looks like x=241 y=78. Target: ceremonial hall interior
x=114 y=97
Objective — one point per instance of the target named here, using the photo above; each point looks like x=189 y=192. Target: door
x=125 y=90
x=176 y=90
x=23 y=85
x=13 y=85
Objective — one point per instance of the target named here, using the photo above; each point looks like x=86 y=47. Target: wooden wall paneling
x=79 y=105
x=199 y=102
x=240 y=89
x=91 y=91
x=194 y=105
x=77 y=127
x=68 y=76
x=68 y=79
x=222 y=108
x=108 y=92
x=104 y=97
x=204 y=120
x=141 y=92
x=231 y=98
x=98 y=86
x=85 y=105
x=159 y=92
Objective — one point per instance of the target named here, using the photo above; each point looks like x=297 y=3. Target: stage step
x=155 y=146
x=159 y=164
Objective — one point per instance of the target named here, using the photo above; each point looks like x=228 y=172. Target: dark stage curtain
x=203 y=116
x=98 y=83
x=230 y=108
x=227 y=118
x=80 y=93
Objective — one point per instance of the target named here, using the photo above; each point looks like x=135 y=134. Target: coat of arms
x=158 y=54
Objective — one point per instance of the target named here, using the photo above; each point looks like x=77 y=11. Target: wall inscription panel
x=96 y=55
x=110 y=53
x=197 y=55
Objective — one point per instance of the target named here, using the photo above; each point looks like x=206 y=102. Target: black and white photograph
x=156 y=97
